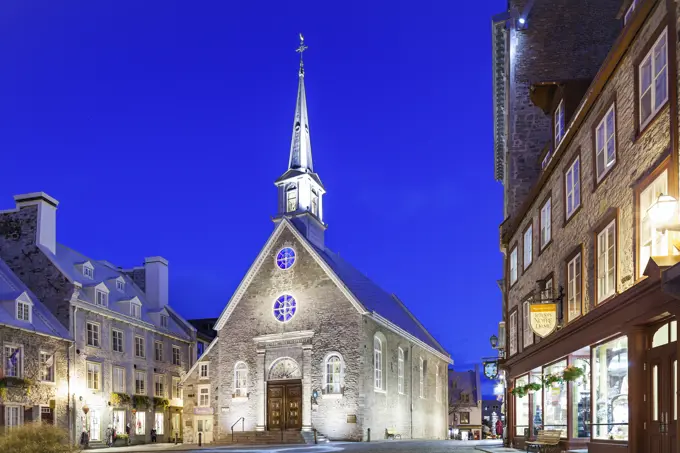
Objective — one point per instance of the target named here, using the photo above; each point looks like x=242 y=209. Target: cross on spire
x=301 y=50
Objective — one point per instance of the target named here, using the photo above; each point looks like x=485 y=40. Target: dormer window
x=559 y=123
x=291 y=199
x=135 y=311
x=164 y=321
x=23 y=311
x=629 y=12
x=120 y=284
x=101 y=298
x=88 y=271
x=315 y=203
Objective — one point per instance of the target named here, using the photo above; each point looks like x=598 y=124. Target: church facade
x=307 y=342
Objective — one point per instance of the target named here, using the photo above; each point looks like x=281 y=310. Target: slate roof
x=375 y=299
x=43 y=321
x=70 y=262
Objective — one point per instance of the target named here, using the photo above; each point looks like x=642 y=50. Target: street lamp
x=663 y=214
x=494 y=341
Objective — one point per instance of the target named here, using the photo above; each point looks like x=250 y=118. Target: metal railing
x=243 y=421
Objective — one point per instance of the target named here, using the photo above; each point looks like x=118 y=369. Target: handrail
x=243 y=421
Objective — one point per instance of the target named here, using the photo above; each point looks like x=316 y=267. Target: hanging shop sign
x=491 y=369
x=543 y=319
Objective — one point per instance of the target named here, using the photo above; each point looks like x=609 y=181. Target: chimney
x=46 y=229
x=156 y=276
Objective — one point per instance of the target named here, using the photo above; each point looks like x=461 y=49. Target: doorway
x=662 y=363
x=284 y=405
x=204 y=429
x=95 y=425
x=46 y=415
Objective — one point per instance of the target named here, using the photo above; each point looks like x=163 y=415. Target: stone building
x=308 y=342
x=131 y=348
x=591 y=220
x=34 y=383
x=465 y=403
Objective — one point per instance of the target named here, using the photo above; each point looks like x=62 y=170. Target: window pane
x=610 y=378
x=655 y=392
x=555 y=397
x=645 y=75
x=580 y=423
x=521 y=408
x=537 y=407
x=646 y=106
x=660 y=89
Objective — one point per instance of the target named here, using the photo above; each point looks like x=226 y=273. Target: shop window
x=537 y=404
x=521 y=408
x=555 y=400
x=580 y=393
x=140 y=422
x=610 y=382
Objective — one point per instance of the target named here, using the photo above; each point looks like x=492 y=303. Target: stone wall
x=563 y=40
x=190 y=393
x=46 y=394
x=637 y=157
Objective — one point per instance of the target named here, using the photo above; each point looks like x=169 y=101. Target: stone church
x=307 y=342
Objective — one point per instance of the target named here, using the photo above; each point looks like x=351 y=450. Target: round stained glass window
x=285 y=258
x=284 y=308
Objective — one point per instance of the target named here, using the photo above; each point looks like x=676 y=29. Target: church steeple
x=300 y=190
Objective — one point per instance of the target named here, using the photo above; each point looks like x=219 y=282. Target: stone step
x=262 y=438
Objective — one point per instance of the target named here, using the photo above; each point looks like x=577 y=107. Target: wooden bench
x=546 y=441
x=391 y=433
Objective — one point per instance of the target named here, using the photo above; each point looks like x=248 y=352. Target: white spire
x=301 y=146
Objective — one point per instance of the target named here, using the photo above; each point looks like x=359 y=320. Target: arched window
x=665 y=334
x=333 y=374
x=240 y=380
x=291 y=198
x=315 y=203
x=400 y=371
x=378 y=363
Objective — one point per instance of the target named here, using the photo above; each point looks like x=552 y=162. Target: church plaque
x=352 y=418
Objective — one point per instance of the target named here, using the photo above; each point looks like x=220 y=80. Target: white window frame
x=421 y=374
x=88 y=271
x=140 y=389
x=101 y=298
x=513 y=266
x=291 y=197
x=120 y=284
x=314 y=202
x=164 y=321
x=558 y=118
x=176 y=388
x=400 y=371
x=118 y=371
x=19 y=367
x=572 y=175
x=603 y=148
x=9 y=420
x=574 y=287
x=96 y=378
x=528 y=246
x=661 y=41
x=96 y=329
x=176 y=355
x=159 y=379
x=158 y=352
x=204 y=370
x=114 y=346
x=333 y=377
x=24 y=311
x=604 y=269
x=528 y=334
x=136 y=310
x=140 y=347
x=240 y=379
x=378 y=353
x=512 y=349
x=546 y=223
x=203 y=397
x=44 y=358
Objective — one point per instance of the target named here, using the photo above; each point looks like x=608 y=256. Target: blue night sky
x=160 y=127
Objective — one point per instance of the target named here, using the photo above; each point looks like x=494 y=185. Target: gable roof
x=366 y=296
x=465 y=382
x=42 y=319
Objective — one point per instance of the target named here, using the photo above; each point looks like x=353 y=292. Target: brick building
x=307 y=341
x=130 y=347
x=587 y=145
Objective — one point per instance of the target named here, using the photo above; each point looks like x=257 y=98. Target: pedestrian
x=153 y=435
x=127 y=431
x=499 y=428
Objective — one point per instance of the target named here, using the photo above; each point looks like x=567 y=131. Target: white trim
x=122 y=340
x=99 y=334
x=54 y=367
x=652 y=87
x=195 y=365
x=276 y=299
x=20 y=366
x=134 y=342
x=155 y=350
x=207 y=370
x=172 y=360
x=255 y=267
x=274 y=337
x=325 y=373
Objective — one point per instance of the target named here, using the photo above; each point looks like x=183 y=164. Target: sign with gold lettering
x=543 y=319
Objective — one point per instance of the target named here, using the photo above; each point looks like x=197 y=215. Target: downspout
x=411 y=359
x=72 y=399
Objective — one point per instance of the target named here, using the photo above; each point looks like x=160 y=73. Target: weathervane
x=301 y=50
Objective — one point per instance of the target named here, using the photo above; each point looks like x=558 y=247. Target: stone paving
x=446 y=446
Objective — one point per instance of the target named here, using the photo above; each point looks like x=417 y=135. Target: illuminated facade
x=588 y=148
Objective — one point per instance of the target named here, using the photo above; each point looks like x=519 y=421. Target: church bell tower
x=300 y=191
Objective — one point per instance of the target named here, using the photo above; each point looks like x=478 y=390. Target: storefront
x=626 y=401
